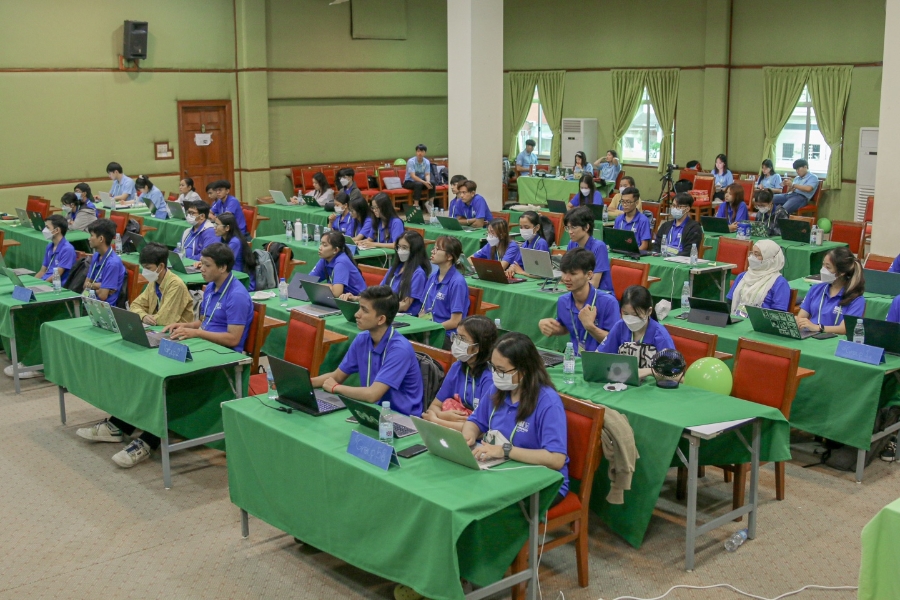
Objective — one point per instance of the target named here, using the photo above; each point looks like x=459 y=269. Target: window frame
x=806 y=145
x=646 y=106
x=540 y=125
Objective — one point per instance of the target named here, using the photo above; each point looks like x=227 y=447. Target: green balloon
x=710 y=374
x=825 y=225
x=399 y=162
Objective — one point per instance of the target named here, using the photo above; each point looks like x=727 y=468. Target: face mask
x=493 y=240
x=403 y=255
x=504 y=382
x=527 y=234
x=827 y=276
x=677 y=213
x=585 y=192
x=47 y=234
x=460 y=350
x=621 y=189
x=634 y=323
x=345 y=181
x=338 y=210
x=192 y=219
x=78 y=195
x=754 y=263
x=149 y=275
x=762 y=209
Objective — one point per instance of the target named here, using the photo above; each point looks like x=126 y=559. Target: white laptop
x=106 y=199
x=538 y=264
x=450 y=445
x=278 y=197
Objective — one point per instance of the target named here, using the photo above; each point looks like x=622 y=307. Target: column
x=886 y=217
x=715 y=81
x=475 y=93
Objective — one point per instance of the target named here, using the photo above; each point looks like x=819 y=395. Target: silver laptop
x=24 y=219
x=176 y=211
x=450 y=445
x=100 y=314
x=18 y=272
x=37 y=289
x=107 y=200
x=538 y=263
x=319 y=294
x=278 y=197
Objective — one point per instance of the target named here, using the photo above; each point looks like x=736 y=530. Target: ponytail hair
x=336 y=240
x=547 y=231
x=850 y=269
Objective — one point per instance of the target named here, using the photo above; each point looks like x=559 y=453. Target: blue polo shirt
x=343 y=222
x=232 y=205
x=772 y=182
x=60 y=257
x=895 y=266
x=195 y=240
x=126 y=186
x=601 y=258
x=825 y=310
x=421 y=169
x=808 y=179
x=416 y=287
x=723 y=181
x=229 y=305
x=159 y=203
x=726 y=212
x=386 y=235
x=524 y=159
x=109 y=272
x=340 y=269
x=640 y=226
x=894 y=311
x=672 y=240
x=444 y=298
x=778 y=297
x=354 y=228
x=536 y=243
x=512 y=255
x=620 y=338
x=471 y=390
x=577 y=198
x=393 y=363
x=544 y=429
x=609 y=171
x=235 y=244
x=476 y=209
x=567 y=315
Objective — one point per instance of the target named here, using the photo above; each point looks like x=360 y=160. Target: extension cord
x=734 y=589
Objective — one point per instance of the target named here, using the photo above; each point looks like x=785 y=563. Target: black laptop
x=295 y=287
x=709 y=312
x=714 y=225
x=550 y=358
x=132 y=329
x=557 y=206
x=882 y=282
x=623 y=241
x=295 y=389
x=793 y=230
x=881 y=334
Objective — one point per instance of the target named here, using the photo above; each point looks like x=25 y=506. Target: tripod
x=668 y=186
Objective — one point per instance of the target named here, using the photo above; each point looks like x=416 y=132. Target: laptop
x=600 y=367
x=450 y=444
x=551 y=359
x=137 y=241
x=37 y=289
x=882 y=282
x=176 y=211
x=323 y=304
x=279 y=198
x=714 y=225
x=178 y=265
x=597 y=209
x=623 y=242
x=464 y=266
x=106 y=199
x=18 y=272
x=709 y=312
x=295 y=389
x=776 y=322
x=149 y=203
x=367 y=415
x=100 y=314
x=881 y=334
x=37 y=221
x=538 y=264
x=451 y=224
x=133 y=331
x=24 y=219
x=492 y=270
x=414 y=215
x=295 y=289
x=348 y=309
x=557 y=206
x=793 y=230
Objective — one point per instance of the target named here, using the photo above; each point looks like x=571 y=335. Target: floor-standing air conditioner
x=578 y=134
x=865 y=169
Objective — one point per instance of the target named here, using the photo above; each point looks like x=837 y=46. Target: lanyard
x=193 y=238
x=839 y=318
x=53 y=256
x=515 y=427
x=465 y=384
x=216 y=307
x=93 y=276
x=369 y=368
x=433 y=283
x=680 y=231
x=582 y=341
x=394 y=273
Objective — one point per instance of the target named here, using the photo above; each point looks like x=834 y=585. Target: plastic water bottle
x=298 y=230
x=569 y=364
x=57 y=282
x=288 y=231
x=118 y=243
x=304 y=233
x=497 y=323
x=812 y=235
x=605 y=212
x=317 y=236
x=859 y=333
x=434 y=216
x=283 y=291
x=273 y=395
x=179 y=250
x=686 y=297
x=739 y=537
x=693 y=254
x=386 y=424
x=557 y=170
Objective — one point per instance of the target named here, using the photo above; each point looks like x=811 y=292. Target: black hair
x=103 y=228
x=637 y=297
x=684 y=199
x=60 y=222
x=154 y=253
x=143 y=182
x=384 y=301
x=519 y=350
x=322 y=181
x=221 y=255
x=223 y=184
x=547 y=230
x=691 y=164
x=501 y=230
x=450 y=245
x=85 y=189
x=227 y=219
x=578 y=259
x=361 y=208
x=457 y=179
x=683 y=185
x=800 y=163
x=484 y=333
x=388 y=214
x=211 y=186
x=346 y=172
x=114 y=166
x=589 y=180
x=70 y=198
x=418 y=259
x=336 y=240
x=630 y=180
x=583 y=158
x=766 y=163
x=530 y=142
x=632 y=191
x=580 y=216
x=613 y=152
x=848 y=267
x=764 y=196
x=422 y=147
x=199 y=205
x=469 y=185
x=341 y=198
x=724 y=160
x=190 y=183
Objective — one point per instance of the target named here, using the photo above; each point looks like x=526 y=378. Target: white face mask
x=47 y=234
x=762 y=209
x=345 y=181
x=585 y=192
x=827 y=276
x=192 y=219
x=78 y=195
x=622 y=189
x=460 y=350
x=149 y=275
x=634 y=323
x=527 y=234
x=338 y=209
x=403 y=255
x=493 y=240
x=504 y=382
x=754 y=263
x=677 y=213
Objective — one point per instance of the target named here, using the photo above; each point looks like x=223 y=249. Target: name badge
x=174 y=350
x=859 y=352
x=22 y=294
x=427 y=316
x=372 y=451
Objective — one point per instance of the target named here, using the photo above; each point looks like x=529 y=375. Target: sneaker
x=429 y=207
x=104 y=431
x=889 y=454
x=135 y=452
x=23 y=373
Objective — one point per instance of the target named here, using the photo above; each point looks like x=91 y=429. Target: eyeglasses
x=455 y=337
x=494 y=369
x=573 y=228
x=628 y=202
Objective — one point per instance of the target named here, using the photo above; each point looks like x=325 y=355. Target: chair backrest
x=382 y=173
x=250 y=214
x=304 y=346
x=626 y=273
x=284 y=262
x=120 y=219
x=814 y=201
x=255 y=337
x=372 y=275
x=756 y=362
x=557 y=220
x=307 y=175
x=475 y=296
x=584 y=424
x=619 y=178
x=136 y=281
x=877 y=262
x=173 y=197
x=330 y=175
x=747 y=184
x=870 y=209
x=38 y=205
x=361 y=180
x=653 y=208
x=704 y=183
x=792 y=302
x=734 y=251
x=688 y=174
x=500 y=215
x=809 y=220
x=850 y=233
x=443 y=358
x=693 y=345
x=297 y=178
x=542 y=168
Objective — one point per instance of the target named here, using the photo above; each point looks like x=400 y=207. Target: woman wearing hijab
x=761 y=284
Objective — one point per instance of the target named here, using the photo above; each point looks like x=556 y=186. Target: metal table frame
x=13 y=348
x=722 y=268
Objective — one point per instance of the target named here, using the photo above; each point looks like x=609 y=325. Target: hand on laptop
x=366 y=244
x=329 y=384
x=295 y=200
x=487 y=451
x=348 y=297
x=804 y=323
x=179 y=331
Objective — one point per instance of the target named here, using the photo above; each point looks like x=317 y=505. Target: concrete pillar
x=252 y=106
x=715 y=81
x=886 y=218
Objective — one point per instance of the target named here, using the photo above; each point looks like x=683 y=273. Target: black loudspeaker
x=135 y=43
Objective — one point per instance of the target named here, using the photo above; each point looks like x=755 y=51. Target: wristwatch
x=506 y=448
x=821 y=328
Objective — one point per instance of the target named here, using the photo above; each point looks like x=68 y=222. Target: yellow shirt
x=175 y=306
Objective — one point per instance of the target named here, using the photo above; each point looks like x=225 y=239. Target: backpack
x=265 y=271
x=274 y=249
x=77 y=275
x=843 y=458
x=432 y=377
x=133 y=227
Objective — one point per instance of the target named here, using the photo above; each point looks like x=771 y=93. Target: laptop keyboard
x=550 y=359
x=325 y=406
x=402 y=430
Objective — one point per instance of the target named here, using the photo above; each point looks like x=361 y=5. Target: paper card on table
x=859 y=352
x=372 y=451
x=174 y=350
x=23 y=294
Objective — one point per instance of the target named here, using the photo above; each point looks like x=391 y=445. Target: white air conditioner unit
x=865 y=169
x=578 y=134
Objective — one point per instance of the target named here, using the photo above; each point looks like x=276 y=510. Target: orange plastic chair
x=626 y=273
x=38 y=205
x=850 y=233
x=372 y=275
x=695 y=345
x=870 y=211
x=443 y=357
x=734 y=251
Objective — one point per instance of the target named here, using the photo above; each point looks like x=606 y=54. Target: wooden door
x=204 y=136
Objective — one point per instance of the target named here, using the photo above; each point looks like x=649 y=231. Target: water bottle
x=569 y=364
x=859 y=333
x=273 y=395
x=288 y=231
x=283 y=291
x=57 y=282
x=605 y=212
x=812 y=235
x=317 y=236
x=693 y=254
x=732 y=543
x=304 y=233
x=686 y=297
x=178 y=250
x=298 y=230
x=557 y=170
x=497 y=323
x=386 y=424
x=118 y=243
x=434 y=216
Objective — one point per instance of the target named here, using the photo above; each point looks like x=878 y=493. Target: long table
x=168 y=231
x=278 y=213
x=309 y=252
x=800 y=259
x=136 y=384
x=537 y=190
x=192 y=280
x=877 y=305
x=880 y=548
x=29 y=254
x=425 y=524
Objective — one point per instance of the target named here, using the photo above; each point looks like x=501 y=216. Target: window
x=801 y=138
x=642 y=140
x=536 y=128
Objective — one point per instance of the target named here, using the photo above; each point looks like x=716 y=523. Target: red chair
x=134 y=281
x=688 y=174
x=38 y=205
x=702 y=203
x=812 y=208
x=372 y=275
x=121 y=220
x=398 y=196
x=626 y=273
x=876 y=262
x=443 y=357
x=252 y=218
x=695 y=345
x=296 y=177
x=870 y=211
x=6 y=244
x=260 y=327
x=557 y=220
x=477 y=306
x=654 y=208
x=503 y=216
x=748 y=186
x=286 y=262
x=734 y=251
x=850 y=233
x=329 y=175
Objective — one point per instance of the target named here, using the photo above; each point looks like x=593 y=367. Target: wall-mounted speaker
x=135 y=42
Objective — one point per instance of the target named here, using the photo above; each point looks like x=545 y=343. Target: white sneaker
x=429 y=207
x=23 y=373
x=104 y=431
x=135 y=452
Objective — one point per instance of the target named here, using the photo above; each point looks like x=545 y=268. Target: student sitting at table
x=122 y=189
x=537 y=234
x=387 y=227
x=800 y=188
x=336 y=266
x=638 y=333
x=499 y=246
x=469 y=379
x=166 y=299
x=761 y=284
x=587 y=193
x=474 y=210
x=585 y=314
x=446 y=291
x=767 y=213
x=244 y=260
x=615 y=205
x=527 y=159
x=385 y=360
x=579 y=223
x=722 y=176
x=768 y=179
x=59 y=257
x=151 y=192
x=839 y=294
x=202 y=232
x=456 y=202
x=322 y=192
x=677 y=236
x=79 y=214
x=609 y=167
x=341 y=218
x=523 y=419
x=187 y=192
x=634 y=220
x=408 y=273
x=225 y=202
x=734 y=209
x=107 y=273
x=582 y=166
x=361 y=224
x=348 y=185
x=211 y=197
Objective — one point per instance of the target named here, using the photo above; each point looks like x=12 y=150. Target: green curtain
x=521 y=94
x=627 y=89
x=782 y=87
x=551 y=88
x=829 y=88
x=662 y=87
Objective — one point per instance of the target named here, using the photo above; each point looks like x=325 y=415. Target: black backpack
x=77 y=275
x=432 y=377
x=133 y=227
x=843 y=458
x=274 y=249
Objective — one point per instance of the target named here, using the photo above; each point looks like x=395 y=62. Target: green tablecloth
x=138 y=385
x=840 y=401
x=30 y=254
x=537 y=190
x=309 y=252
x=514 y=216
x=471 y=241
x=190 y=279
x=800 y=259
x=658 y=418
x=425 y=524
x=878 y=578
x=29 y=317
x=168 y=231
x=140 y=209
x=277 y=213
x=877 y=305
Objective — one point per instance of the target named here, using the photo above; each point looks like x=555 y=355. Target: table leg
x=238 y=381
x=62 y=404
x=860 y=464
x=723 y=282
x=533 y=556
x=14 y=353
x=245 y=524
x=167 y=474
x=691 y=534
x=754 y=480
